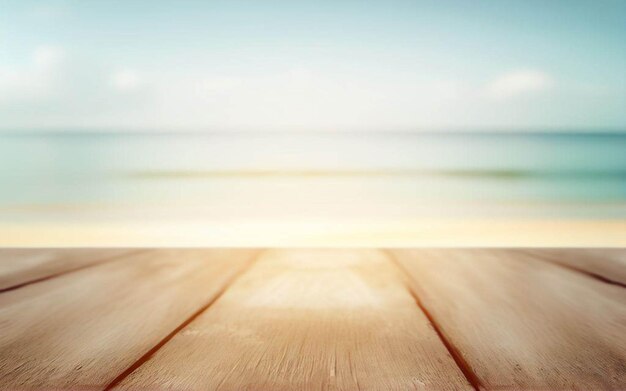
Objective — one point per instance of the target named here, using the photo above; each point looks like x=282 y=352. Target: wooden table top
x=304 y=319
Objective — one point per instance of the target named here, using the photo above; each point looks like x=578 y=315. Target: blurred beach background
x=311 y=188
x=373 y=123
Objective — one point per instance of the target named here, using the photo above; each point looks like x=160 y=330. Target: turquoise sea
x=311 y=176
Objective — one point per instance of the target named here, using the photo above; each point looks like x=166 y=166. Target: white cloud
x=55 y=89
x=36 y=79
x=291 y=99
x=299 y=99
x=125 y=80
x=48 y=56
x=518 y=82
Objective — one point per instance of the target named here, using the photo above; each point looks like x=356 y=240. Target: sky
x=321 y=65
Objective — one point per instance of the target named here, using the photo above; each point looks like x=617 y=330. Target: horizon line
x=199 y=131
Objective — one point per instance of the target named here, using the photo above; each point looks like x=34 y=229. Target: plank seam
x=152 y=351
x=454 y=352
x=575 y=269
x=69 y=271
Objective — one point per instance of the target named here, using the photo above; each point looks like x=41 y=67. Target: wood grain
x=21 y=266
x=608 y=264
x=522 y=323
x=81 y=330
x=307 y=320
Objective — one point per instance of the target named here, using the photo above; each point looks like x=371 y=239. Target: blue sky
x=316 y=65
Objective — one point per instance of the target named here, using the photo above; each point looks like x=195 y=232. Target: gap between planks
x=148 y=355
x=302 y=344
x=111 y=258
x=576 y=269
x=461 y=363
x=458 y=358
x=541 y=326
x=48 y=342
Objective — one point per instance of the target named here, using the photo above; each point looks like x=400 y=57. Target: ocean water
x=311 y=177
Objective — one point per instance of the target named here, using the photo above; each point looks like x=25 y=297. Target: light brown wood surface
x=82 y=329
x=523 y=323
x=20 y=266
x=302 y=319
x=609 y=264
x=307 y=320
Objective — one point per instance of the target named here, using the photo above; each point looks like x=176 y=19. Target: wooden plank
x=521 y=323
x=81 y=330
x=22 y=266
x=304 y=320
x=608 y=264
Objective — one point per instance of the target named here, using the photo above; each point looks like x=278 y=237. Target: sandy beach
x=437 y=233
